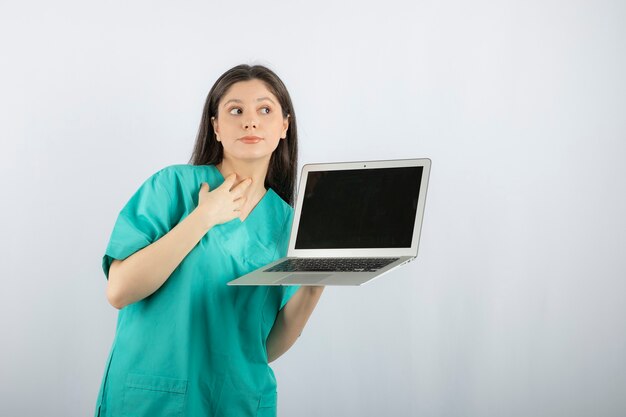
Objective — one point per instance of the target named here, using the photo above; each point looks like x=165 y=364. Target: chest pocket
x=246 y=250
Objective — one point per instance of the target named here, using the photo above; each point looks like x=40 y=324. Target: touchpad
x=304 y=278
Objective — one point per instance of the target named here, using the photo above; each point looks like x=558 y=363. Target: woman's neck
x=255 y=192
x=255 y=170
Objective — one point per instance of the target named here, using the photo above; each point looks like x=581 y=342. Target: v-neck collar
x=259 y=207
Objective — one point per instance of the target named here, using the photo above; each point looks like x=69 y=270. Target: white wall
x=515 y=305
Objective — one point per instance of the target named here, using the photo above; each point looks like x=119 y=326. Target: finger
x=204 y=187
x=241 y=187
x=229 y=181
x=241 y=201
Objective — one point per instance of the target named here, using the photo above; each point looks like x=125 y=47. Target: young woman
x=186 y=343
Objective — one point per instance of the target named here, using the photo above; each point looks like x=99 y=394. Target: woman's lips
x=250 y=139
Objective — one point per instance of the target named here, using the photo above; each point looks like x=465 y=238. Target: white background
x=515 y=305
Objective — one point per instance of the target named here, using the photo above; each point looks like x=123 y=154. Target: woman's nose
x=250 y=123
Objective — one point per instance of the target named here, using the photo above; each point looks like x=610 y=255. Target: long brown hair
x=283 y=165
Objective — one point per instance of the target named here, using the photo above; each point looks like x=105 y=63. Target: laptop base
x=258 y=277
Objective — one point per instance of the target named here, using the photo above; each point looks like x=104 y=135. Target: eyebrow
x=239 y=101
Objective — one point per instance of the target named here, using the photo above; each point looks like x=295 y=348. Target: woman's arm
x=291 y=320
x=142 y=273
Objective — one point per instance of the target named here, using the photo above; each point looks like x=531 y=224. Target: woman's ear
x=214 y=124
x=285 y=127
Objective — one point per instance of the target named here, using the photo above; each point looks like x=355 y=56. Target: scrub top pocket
x=235 y=401
x=267 y=406
x=154 y=396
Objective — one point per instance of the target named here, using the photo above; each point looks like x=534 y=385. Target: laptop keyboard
x=331 y=264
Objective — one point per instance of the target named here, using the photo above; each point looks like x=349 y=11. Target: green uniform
x=196 y=347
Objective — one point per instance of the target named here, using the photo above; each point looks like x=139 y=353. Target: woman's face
x=249 y=121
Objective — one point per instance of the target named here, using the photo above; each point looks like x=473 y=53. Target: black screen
x=359 y=208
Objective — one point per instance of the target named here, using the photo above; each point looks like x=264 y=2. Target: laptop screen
x=359 y=208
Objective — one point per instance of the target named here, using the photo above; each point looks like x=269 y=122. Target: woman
x=186 y=343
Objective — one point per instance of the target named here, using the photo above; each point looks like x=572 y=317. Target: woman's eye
x=237 y=110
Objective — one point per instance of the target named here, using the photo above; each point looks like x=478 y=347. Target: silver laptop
x=354 y=222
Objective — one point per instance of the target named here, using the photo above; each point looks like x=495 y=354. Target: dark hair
x=283 y=165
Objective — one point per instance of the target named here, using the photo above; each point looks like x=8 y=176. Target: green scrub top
x=196 y=347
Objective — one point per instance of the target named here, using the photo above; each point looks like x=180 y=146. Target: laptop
x=354 y=222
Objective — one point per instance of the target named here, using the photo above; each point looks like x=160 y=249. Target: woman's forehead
x=254 y=90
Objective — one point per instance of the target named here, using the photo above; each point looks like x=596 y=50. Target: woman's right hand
x=224 y=203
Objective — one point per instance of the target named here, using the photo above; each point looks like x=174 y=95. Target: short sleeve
x=145 y=218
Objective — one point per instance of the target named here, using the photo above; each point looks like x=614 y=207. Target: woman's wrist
x=202 y=220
